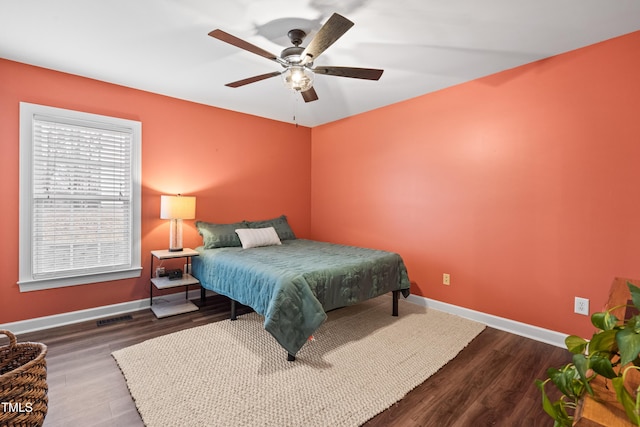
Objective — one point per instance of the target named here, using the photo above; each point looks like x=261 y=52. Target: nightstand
x=165 y=309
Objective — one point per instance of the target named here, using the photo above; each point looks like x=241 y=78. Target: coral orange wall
x=523 y=185
x=238 y=166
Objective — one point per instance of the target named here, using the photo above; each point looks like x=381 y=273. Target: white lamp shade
x=177 y=207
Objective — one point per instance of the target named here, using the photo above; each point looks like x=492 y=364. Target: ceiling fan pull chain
x=295 y=103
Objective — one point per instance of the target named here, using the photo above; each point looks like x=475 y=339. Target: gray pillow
x=219 y=235
x=280 y=224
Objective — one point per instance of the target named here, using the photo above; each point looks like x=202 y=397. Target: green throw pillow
x=280 y=224
x=219 y=235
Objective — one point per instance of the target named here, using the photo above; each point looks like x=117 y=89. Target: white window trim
x=26 y=280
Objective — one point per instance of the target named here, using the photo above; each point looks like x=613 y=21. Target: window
x=79 y=198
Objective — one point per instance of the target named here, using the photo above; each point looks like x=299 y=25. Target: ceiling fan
x=298 y=61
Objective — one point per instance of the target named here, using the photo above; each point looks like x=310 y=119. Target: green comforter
x=292 y=285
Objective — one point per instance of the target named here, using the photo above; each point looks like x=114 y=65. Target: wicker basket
x=23 y=383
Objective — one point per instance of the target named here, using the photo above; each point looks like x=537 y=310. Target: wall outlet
x=446 y=279
x=187 y=268
x=581 y=306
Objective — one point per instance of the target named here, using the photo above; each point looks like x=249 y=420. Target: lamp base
x=175 y=235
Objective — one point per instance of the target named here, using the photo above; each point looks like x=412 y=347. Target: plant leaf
x=575 y=344
x=556 y=410
x=603 y=342
x=567 y=380
x=604 y=320
x=624 y=397
x=602 y=366
x=629 y=343
x=562 y=419
x=560 y=380
x=546 y=403
x=582 y=364
x=635 y=294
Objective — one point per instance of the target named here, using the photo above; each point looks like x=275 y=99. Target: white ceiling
x=162 y=46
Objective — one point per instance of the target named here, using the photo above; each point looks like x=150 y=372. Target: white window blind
x=83 y=207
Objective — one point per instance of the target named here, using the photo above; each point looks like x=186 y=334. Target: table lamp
x=177 y=208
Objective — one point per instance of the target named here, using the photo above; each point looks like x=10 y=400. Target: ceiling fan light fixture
x=298 y=78
x=297 y=61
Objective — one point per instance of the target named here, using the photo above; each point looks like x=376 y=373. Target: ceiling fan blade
x=309 y=95
x=253 y=79
x=235 y=41
x=356 y=73
x=331 y=31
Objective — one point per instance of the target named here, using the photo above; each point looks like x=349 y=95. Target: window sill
x=61 y=282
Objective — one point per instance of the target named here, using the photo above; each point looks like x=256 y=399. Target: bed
x=293 y=282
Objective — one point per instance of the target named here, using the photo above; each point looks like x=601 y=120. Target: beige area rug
x=360 y=362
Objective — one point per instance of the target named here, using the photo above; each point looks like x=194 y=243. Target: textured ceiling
x=162 y=46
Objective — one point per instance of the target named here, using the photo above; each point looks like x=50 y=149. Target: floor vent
x=105 y=322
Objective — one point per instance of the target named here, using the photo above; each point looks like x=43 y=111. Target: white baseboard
x=512 y=326
x=507 y=325
x=46 y=322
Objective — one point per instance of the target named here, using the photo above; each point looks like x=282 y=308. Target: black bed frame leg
x=233 y=310
x=396 y=295
x=291 y=357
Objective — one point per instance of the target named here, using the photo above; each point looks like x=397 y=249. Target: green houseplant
x=613 y=352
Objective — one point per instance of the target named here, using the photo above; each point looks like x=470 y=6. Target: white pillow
x=255 y=237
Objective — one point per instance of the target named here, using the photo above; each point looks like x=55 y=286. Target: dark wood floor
x=490 y=383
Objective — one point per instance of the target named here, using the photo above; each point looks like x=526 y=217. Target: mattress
x=293 y=284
